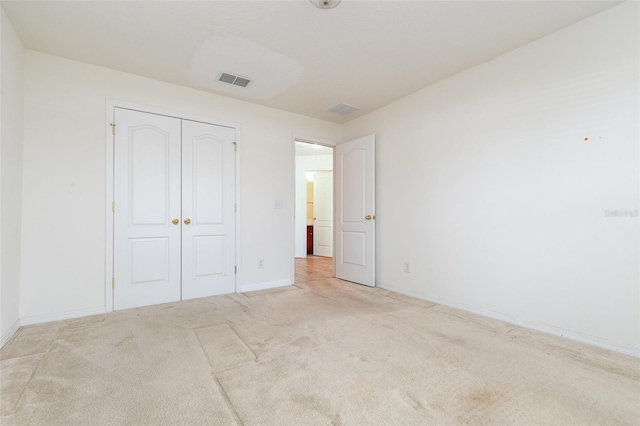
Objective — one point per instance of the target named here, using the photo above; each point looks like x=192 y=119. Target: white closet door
x=147 y=200
x=208 y=210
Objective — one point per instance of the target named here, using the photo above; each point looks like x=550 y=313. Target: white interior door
x=147 y=209
x=208 y=210
x=323 y=213
x=355 y=211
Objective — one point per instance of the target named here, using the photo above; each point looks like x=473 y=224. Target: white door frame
x=312 y=140
x=111 y=105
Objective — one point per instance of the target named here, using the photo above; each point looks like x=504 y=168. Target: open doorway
x=313 y=211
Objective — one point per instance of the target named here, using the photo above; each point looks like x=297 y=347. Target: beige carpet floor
x=323 y=352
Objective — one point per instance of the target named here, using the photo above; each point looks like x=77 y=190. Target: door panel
x=208 y=193
x=145 y=252
x=208 y=179
x=323 y=213
x=353 y=169
x=147 y=198
x=355 y=210
x=209 y=256
x=149 y=174
x=352 y=253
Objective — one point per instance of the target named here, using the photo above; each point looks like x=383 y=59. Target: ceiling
x=300 y=58
x=308 y=148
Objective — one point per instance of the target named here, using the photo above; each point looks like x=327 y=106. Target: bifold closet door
x=147 y=195
x=208 y=210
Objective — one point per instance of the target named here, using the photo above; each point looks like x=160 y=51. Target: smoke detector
x=343 y=109
x=236 y=80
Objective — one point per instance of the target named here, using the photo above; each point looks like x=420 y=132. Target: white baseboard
x=265 y=286
x=545 y=328
x=7 y=335
x=39 y=319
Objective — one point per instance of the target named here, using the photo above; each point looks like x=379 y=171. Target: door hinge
x=113 y=128
x=235 y=146
x=235 y=207
x=113 y=206
x=113 y=283
x=235 y=268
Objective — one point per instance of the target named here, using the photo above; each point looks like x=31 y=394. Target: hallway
x=313 y=268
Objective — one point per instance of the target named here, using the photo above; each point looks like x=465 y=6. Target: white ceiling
x=307 y=148
x=302 y=59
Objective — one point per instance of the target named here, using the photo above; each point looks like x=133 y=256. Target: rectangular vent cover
x=343 y=109
x=236 y=80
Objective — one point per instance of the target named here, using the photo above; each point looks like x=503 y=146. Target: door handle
x=175 y=221
x=369 y=217
x=187 y=221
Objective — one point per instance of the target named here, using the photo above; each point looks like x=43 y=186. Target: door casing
x=111 y=105
x=312 y=140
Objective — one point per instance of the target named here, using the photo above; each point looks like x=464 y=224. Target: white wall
x=305 y=163
x=63 y=247
x=486 y=185
x=12 y=67
x=485 y=182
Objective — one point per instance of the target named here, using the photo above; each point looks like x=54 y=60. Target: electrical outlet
x=260 y=263
x=407 y=267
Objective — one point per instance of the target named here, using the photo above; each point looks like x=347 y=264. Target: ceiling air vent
x=236 y=80
x=343 y=109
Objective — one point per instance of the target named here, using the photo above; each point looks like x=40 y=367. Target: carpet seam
x=35 y=370
x=255 y=357
x=239 y=303
x=232 y=367
x=217 y=382
x=227 y=399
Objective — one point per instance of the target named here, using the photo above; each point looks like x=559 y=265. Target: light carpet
x=323 y=352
